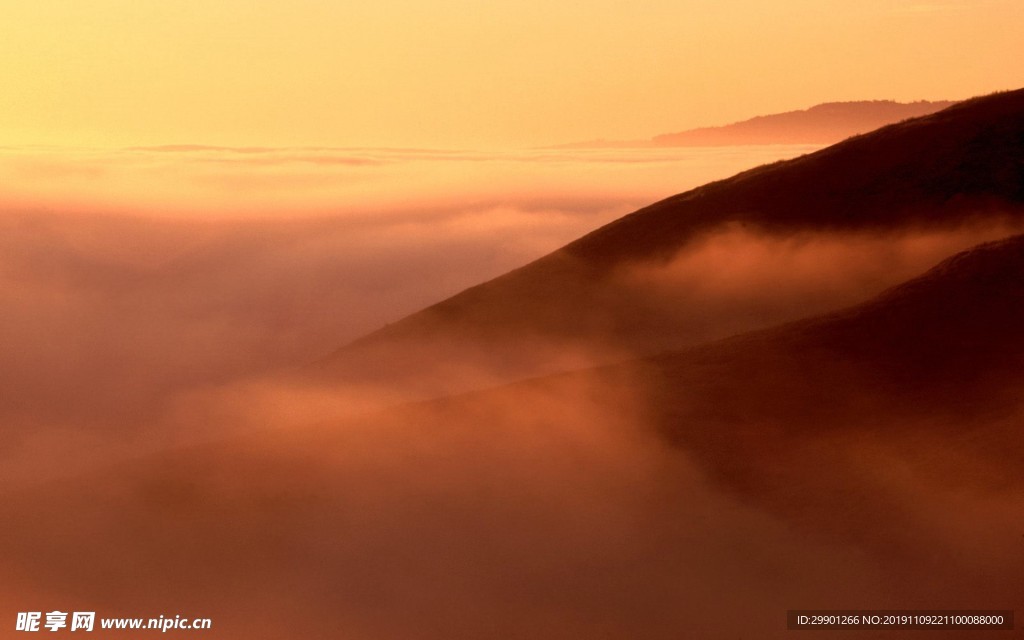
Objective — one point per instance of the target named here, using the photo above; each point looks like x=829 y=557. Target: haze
x=456 y=74
x=312 y=325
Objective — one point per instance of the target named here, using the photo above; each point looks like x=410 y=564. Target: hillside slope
x=869 y=458
x=644 y=282
x=937 y=362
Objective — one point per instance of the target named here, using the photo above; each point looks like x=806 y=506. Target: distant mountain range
x=826 y=123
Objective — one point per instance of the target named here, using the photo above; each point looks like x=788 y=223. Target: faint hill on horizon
x=826 y=123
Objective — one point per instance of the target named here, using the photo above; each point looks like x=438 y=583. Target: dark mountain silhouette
x=927 y=170
x=826 y=123
x=886 y=434
x=583 y=304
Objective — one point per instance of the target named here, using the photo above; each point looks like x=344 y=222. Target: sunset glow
x=457 y=74
x=506 y=320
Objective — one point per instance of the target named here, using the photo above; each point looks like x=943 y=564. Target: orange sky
x=455 y=73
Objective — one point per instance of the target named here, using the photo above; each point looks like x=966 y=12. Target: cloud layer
x=142 y=422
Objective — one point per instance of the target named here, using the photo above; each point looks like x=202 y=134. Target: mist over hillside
x=771 y=244
x=798 y=387
x=867 y=457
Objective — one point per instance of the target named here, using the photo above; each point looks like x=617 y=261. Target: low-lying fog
x=147 y=293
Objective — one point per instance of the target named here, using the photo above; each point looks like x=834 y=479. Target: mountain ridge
x=959 y=166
